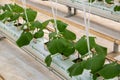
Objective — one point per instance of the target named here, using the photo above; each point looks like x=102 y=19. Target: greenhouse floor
x=15 y=64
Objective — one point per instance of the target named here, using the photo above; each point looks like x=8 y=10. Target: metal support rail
x=70 y=13
x=97 y=8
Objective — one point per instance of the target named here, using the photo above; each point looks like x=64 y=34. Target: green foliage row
x=65 y=43
x=31 y=28
x=61 y=41
x=116 y=8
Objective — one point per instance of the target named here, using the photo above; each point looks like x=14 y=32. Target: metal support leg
x=115 y=48
x=71 y=11
x=75 y=11
x=1 y=38
x=69 y=14
x=115 y=51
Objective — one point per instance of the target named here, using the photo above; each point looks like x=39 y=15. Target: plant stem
x=78 y=55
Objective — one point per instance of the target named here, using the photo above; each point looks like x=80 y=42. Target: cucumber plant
x=31 y=28
x=61 y=42
x=65 y=43
x=10 y=12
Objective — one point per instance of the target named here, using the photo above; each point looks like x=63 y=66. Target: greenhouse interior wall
x=59 y=40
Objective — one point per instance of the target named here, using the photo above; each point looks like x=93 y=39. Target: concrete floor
x=18 y=65
x=15 y=64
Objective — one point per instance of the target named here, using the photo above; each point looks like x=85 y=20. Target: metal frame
x=95 y=9
x=69 y=13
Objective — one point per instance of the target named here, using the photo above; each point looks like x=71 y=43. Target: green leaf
x=69 y=35
x=7 y=7
x=7 y=14
x=52 y=35
x=48 y=60
x=44 y=24
x=57 y=46
x=76 y=69
x=110 y=70
x=31 y=15
x=14 y=17
x=109 y=1
x=82 y=47
x=61 y=45
x=24 y=39
x=3 y=8
x=92 y=42
x=39 y=34
x=95 y=63
x=69 y=50
x=2 y=17
x=61 y=26
x=17 y=9
x=91 y=0
x=101 y=50
x=95 y=76
x=36 y=24
x=52 y=47
x=117 y=8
